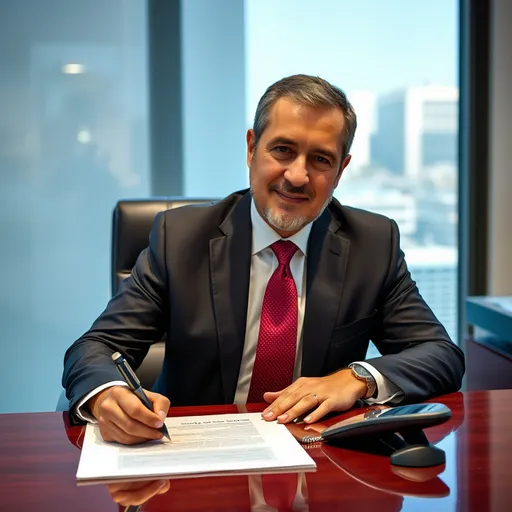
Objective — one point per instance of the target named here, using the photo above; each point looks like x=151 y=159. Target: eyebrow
x=290 y=142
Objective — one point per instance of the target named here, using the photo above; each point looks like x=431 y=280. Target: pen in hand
x=134 y=383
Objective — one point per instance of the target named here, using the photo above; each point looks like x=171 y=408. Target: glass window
x=73 y=140
x=401 y=76
x=398 y=63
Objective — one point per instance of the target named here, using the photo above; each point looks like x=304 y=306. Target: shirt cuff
x=82 y=412
x=386 y=390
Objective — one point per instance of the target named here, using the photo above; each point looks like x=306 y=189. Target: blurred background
x=103 y=100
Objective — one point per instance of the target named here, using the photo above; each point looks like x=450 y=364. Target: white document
x=201 y=446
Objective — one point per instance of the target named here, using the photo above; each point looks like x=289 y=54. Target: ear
x=344 y=164
x=251 y=141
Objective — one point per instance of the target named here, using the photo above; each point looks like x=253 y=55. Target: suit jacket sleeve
x=419 y=356
x=134 y=319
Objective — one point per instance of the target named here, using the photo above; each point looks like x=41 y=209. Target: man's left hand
x=320 y=395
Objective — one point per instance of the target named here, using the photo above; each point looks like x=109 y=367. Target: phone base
x=411 y=449
x=418 y=457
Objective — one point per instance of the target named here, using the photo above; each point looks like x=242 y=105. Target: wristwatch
x=361 y=373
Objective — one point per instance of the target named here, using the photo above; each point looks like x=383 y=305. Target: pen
x=134 y=383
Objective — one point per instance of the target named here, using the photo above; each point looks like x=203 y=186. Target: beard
x=287 y=220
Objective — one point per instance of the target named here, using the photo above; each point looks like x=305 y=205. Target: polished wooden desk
x=39 y=456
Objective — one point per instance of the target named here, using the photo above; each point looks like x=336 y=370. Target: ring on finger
x=315 y=396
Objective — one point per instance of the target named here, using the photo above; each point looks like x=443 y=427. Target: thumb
x=161 y=403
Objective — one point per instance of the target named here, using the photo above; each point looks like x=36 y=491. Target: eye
x=282 y=152
x=322 y=160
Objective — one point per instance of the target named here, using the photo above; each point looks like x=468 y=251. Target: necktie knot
x=284 y=251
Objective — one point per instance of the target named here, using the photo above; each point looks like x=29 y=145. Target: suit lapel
x=326 y=268
x=230 y=266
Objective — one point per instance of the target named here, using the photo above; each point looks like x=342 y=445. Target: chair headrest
x=131 y=224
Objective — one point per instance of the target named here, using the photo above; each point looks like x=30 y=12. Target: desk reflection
x=280 y=492
x=371 y=482
x=345 y=478
x=380 y=475
x=286 y=492
x=130 y=495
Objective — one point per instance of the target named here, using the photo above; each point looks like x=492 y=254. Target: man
x=269 y=294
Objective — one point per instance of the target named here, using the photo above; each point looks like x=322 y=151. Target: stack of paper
x=201 y=446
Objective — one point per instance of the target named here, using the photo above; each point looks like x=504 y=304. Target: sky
x=375 y=45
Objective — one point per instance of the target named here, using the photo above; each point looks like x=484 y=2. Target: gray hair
x=309 y=91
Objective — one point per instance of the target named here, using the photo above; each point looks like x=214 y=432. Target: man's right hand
x=123 y=418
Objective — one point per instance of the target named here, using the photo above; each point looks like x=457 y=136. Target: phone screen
x=405 y=409
x=426 y=411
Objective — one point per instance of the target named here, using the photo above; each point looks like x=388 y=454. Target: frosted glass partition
x=73 y=140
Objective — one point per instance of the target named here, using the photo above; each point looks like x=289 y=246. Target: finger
x=134 y=408
x=161 y=404
x=132 y=426
x=270 y=396
x=115 y=415
x=282 y=395
x=288 y=398
x=304 y=405
x=141 y=495
x=112 y=433
x=324 y=408
x=165 y=487
x=131 y=405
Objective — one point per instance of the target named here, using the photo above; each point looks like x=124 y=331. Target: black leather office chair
x=131 y=223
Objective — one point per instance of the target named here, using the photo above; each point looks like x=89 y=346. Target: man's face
x=297 y=164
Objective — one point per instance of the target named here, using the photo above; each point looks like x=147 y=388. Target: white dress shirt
x=263 y=264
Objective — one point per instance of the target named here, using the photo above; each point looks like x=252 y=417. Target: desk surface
x=39 y=458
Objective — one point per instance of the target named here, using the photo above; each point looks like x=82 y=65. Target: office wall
x=500 y=200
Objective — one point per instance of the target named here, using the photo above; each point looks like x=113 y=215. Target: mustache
x=288 y=188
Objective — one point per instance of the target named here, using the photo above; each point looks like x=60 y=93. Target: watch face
x=361 y=371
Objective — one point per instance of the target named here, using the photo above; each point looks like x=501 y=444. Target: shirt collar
x=263 y=235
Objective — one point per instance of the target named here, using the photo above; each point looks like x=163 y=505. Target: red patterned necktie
x=277 y=340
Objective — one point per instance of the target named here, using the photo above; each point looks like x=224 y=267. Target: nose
x=297 y=174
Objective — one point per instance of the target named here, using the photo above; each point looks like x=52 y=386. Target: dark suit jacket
x=192 y=283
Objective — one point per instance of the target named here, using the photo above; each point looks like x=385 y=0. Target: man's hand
x=320 y=395
x=137 y=493
x=124 y=419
